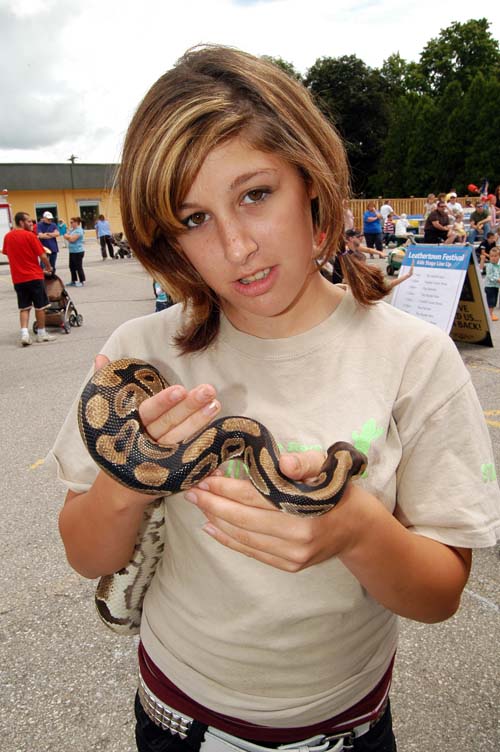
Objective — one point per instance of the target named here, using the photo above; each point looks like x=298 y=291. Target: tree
x=284 y=65
x=353 y=97
x=458 y=53
x=401 y=76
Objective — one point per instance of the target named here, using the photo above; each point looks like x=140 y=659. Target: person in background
x=63 y=229
x=162 y=298
x=372 y=228
x=492 y=282
x=389 y=229
x=468 y=209
x=429 y=205
x=348 y=215
x=459 y=228
x=494 y=212
x=453 y=205
x=479 y=221
x=484 y=248
x=48 y=233
x=385 y=210
x=402 y=225
x=25 y=253
x=437 y=227
x=103 y=235
x=75 y=238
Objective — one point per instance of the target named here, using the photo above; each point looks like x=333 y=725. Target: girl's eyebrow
x=237 y=182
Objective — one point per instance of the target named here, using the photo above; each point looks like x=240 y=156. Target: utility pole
x=72 y=160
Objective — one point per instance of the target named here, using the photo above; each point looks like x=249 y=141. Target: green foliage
x=415 y=127
x=284 y=65
x=353 y=96
x=458 y=53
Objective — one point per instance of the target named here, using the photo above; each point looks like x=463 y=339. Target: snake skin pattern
x=108 y=417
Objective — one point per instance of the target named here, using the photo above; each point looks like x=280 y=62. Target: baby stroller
x=61 y=311
x=124 y=250
x=394 y=260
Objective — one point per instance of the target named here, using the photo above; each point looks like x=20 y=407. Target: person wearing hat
x=454 y=207
x=48 y=233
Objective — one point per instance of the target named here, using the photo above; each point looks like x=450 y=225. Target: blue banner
x=438 y=256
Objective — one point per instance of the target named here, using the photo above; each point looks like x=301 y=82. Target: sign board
x=445 y=290
x=472 y=319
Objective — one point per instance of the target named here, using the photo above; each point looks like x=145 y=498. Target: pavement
x=67 y=682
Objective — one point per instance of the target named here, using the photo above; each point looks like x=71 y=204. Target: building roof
x=40 y=177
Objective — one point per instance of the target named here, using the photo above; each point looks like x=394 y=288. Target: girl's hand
x=241 y=519
x=174 y=414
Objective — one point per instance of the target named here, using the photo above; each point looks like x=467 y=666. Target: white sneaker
x=45 y=338
x=25 y=339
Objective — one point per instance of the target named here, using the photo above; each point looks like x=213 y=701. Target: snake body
x=108 y=417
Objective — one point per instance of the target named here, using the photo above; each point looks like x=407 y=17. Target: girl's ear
x=312 y=191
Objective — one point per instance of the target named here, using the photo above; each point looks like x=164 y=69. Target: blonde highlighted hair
x=211 y=95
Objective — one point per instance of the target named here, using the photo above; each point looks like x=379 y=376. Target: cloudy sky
x=73 y=71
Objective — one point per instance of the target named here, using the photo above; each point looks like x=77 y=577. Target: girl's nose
x=238 y=243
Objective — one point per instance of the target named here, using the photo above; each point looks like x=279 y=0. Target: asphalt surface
x=67 y=683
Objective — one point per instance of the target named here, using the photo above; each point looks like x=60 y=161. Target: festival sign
x=445 y=290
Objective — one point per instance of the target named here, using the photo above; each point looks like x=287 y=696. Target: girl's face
x=249 y=234
x=494 y=256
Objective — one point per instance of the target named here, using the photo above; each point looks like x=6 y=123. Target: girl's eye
x=195 y=220
x=255 y=196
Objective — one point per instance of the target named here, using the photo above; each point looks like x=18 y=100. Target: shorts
x=491 y=296
x=31 y=293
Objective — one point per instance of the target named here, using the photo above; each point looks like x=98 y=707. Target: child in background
x=163 y=299
x=389 y=229
x=459 y=228
x=492 y=279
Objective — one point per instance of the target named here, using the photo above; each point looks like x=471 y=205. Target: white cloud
x=74 y=72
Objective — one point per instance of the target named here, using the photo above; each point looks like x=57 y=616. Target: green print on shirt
x=488 y=472
x=237 y=469
x=365 y=438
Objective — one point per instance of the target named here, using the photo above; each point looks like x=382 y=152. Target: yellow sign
x=472 y=319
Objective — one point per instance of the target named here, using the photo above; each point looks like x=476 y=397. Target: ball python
x=111 y=428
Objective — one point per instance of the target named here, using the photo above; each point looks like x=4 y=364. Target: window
x=89 y=212
x=41 y=208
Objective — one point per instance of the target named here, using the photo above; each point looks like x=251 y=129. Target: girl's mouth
x=254 y=277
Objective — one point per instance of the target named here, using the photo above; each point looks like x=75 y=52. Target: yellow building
x=66 y=190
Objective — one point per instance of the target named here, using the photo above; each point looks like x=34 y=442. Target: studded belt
x=168 y=719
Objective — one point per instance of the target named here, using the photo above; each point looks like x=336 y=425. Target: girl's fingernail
x=210 y=530
x=211 y=408
x=204 y=486
x=190 y=496
x=203 y=395
x=175 y=395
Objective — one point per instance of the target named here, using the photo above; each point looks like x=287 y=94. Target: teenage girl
x=264 y=626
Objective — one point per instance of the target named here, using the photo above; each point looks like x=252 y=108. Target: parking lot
x=67 y=682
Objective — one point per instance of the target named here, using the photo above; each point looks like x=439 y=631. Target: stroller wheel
x=390 y=271
x=67 y=327
x=79 y=319
x=72 y=320
x=35 y=327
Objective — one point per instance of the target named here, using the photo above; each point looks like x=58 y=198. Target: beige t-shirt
x=280 y=649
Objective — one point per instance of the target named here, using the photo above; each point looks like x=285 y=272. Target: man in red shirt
x=24 y=252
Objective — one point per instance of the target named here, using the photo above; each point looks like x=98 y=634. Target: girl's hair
x=78 y=220
x=211 y=95
x=367 y=283
x=101 y=217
